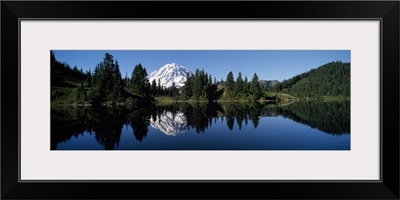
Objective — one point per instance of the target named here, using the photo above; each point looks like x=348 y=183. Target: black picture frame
x=386 y=11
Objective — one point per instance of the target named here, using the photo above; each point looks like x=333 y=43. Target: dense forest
x=331 y=79
x=242 y=88
x=200 y=87
x=105 y=85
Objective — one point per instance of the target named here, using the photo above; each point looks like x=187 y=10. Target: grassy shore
x=169 y=100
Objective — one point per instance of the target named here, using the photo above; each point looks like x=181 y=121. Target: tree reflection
x=255 y=110
x=229 y=112
x=107 y=126
x=68 y=122
x=106 y=123
x=139 y=121
x=242 y=112
x=329 y=117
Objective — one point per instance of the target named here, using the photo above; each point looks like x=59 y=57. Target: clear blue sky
x=268 y=64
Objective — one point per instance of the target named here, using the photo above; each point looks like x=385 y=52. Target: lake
x=313 y=125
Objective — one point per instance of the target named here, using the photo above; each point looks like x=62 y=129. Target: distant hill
x=268 y=84
x=331 y=79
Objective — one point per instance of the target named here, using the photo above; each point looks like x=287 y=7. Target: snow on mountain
x=169 y=124
x=169 y=74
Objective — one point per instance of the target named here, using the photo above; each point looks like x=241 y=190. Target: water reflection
x=170 y=123
x=329 y=117
x=106 y=124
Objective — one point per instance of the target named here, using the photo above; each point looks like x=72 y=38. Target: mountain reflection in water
x=227 y=126
x=170 y=123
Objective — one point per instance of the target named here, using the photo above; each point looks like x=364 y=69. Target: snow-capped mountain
x=169 y=124
x=170 y=73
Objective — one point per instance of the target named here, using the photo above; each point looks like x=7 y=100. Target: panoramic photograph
x=200 y=100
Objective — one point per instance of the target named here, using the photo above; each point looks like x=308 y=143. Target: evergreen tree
x=197 y=85
x=61 y=72
x=246 y=87
x=159 y=88
x=89 y=78
x=174 y=90
x=96 y=77
x=255 y=88
x=139 y=82
x=153 y=87
x=239 y=85
x=331 y=79
x=81 y=94
x=230 y=84
x=106 y=78
x=187 y=88
x=126 y=80
x=118 y=87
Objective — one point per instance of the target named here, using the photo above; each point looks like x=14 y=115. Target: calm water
x=230 y=126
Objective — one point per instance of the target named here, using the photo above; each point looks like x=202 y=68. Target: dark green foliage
x=153 y=87
x=96 y=77
x=105 y=84
x=187 y=89
x=89 y=78
x=239 y=84
x=230 y=84
x=62 y=73
x=81 y=93
x=246 y=87
x=106 y=76
x=331 y=79
x=107 y=81
x=139 y=82
x=159 y=88
x=242 y=89
x=255 y=87
x=172 y=91
x=118 y=88
x=199 y=87
x=126 y=80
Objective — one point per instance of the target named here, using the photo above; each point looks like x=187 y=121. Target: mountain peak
x=169 y=74
x=173 y=66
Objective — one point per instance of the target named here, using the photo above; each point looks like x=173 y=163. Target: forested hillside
x=102 y=86
x=331 y=79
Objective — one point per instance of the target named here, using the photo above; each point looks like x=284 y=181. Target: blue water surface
x=273 y=128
